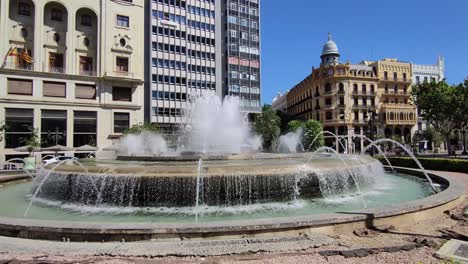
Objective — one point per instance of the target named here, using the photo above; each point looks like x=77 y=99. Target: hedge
x=438 y=164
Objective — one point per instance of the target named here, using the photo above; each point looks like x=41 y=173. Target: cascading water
x=331 y=134
x=329 y=184
x=199 y=187
x=46 y=176
x=291 y=142
x=409 y=153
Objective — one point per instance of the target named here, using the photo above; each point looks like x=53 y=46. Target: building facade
x=426 y=73
x=72 y=71
x=280 y=102
x=194 y=47
x=344 y=96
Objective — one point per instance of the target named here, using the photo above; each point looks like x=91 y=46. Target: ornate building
x=72 y=71
x=343 y=96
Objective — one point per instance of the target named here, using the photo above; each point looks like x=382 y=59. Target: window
x=418 y=81
x=56 y=15
x=395 y=76
x=19 y=125
x=329 y=115
x=56 y=62
x=85 y=91
x=328 y=102
x=24 y=9
x=57 y=37
x=233 y=33
x=121 y=122
x=86 y=65
x=84 y=128
x=54 y=89
x=86 y=20
x=53 y=128
x=122 y=64
x=123 y=21
x=20 y=86
x=356 y=115
x=122 y=94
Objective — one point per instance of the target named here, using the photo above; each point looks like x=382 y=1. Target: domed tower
x=330 y=54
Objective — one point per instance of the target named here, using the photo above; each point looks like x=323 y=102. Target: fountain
x=213 y=173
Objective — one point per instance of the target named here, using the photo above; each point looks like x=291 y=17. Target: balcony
x=396 y=93
x=400 y=122
x=341 y=92
x=361 y=106
x=56 y=69
x=394 y=106
x=362 y=93
x=124 y=74
x=17 y=66
x=88 y=73
x=329 y=93
x=399 y=80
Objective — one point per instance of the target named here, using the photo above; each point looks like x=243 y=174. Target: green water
x=390 y=190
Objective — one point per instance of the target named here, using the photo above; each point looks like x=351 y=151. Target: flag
x=25 y=56
x=11 y=52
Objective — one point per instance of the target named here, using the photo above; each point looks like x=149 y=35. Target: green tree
x=441 y=106
x=267 y=125
x=142 y=127
x=312 y=130
x=33 y=141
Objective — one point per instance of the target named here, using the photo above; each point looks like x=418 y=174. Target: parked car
x=12 y=166
x=57 y=159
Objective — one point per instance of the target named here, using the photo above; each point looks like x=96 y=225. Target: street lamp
x=372 y=114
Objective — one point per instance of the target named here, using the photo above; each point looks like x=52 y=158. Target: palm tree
x=267 y=125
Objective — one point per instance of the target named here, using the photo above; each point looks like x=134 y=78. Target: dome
x=330 y=47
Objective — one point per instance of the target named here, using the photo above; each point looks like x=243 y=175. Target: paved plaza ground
x=412 y=244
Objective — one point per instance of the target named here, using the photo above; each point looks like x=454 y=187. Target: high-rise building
x=196 y=46
x=70 y=70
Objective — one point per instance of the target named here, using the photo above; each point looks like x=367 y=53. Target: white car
x=57 y=159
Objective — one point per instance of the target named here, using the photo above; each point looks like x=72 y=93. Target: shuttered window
x=121 y=122
x=85 y=91
x=122 y=94
x=54 y=89
x=20 y=86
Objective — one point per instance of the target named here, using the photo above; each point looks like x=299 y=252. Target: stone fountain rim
x=94 y=231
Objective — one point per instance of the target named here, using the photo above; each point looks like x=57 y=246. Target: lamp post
x=372 y=114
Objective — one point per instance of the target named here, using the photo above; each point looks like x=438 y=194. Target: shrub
x=439 y=164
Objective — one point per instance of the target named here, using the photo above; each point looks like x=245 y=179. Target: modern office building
x=199 y=46
x=342 y=96
x=72 y=70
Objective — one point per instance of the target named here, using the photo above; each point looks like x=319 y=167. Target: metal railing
x=18 y=66
x=124 y=74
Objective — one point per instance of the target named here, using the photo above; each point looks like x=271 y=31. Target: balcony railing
x=88 y=73
x=362 y=93
x=123 y=74
x=56 y=69
x=17 y=66
x=393 y=92
x=405 y=80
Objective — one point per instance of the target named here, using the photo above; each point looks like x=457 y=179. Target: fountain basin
x=234 y=181
x=401 y=214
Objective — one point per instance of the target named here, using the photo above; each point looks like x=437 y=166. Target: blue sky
x=410 y=30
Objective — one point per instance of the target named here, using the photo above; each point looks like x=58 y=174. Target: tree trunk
x=449 y=146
